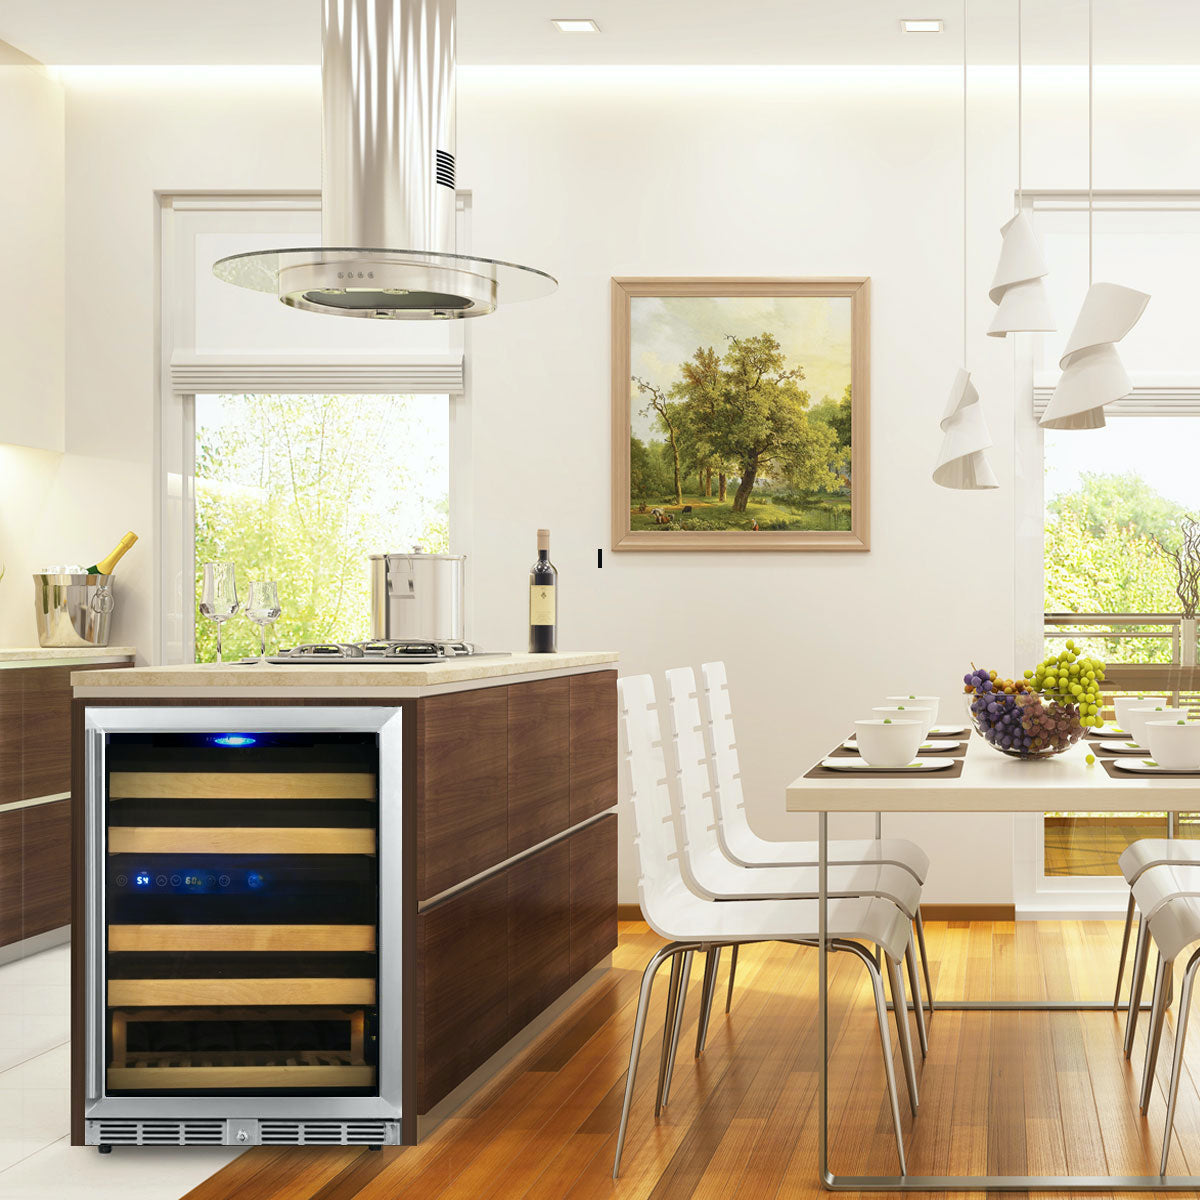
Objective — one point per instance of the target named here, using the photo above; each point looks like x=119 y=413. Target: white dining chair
x=740 y=844
x=710 y=874
x=691 y=923
x=1137 y=857
x=1170 y=908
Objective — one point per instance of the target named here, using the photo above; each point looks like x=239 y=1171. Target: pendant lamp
x=962 y=464
x=1092 y=372
x=1017 y=289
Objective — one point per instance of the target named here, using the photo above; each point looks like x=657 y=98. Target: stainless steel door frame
x=952 y=1183
x=387 y=722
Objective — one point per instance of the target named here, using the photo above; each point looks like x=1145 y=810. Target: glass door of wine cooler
x=243 y=945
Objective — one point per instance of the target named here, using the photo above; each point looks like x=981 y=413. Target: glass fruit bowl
x=1026 y=725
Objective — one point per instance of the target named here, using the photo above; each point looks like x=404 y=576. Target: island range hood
x=387 y=180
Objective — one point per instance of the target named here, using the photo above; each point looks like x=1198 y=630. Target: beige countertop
x=327 y=679
x=73 y=653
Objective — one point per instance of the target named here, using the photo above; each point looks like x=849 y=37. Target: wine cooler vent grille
x=328 y=1133
x=157 y=1133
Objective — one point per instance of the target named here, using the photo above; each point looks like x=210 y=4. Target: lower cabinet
x=494 y=956
x=35 y=870
x=10 y=876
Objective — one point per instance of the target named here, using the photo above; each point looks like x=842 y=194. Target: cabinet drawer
x=46 y=867
x=593 y=895
x=539 y=769
x=45 y=731
x=539 y=933
x=593 y=744
x=10 y=876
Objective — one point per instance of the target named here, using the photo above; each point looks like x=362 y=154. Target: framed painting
x=741 y=413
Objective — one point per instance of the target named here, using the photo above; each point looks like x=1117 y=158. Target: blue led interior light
x=235 y=739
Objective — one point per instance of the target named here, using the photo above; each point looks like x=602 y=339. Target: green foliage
x=795 y=510
x=302 y=489
x=1101 y=556
x=650 y=474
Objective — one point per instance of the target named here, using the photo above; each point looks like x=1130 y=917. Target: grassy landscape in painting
x=740 y=414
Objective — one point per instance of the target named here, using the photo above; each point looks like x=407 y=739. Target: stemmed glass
x=263 y=608
x=218 y=600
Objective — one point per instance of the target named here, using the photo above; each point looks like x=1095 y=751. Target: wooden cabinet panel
x=593 y=744
x=539 y=933
x=539 y=771
x=462 y=986
x=462 y=820
x=46 y=867
x=10 y=735
x=45 y=731
x=593 y=895
x=10 y=876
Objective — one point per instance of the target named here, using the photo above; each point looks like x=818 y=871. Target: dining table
x=983 y=779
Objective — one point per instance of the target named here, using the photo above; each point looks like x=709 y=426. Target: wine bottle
x=543 y=600
x=105 y=565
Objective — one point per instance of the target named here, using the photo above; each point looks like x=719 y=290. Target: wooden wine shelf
x=138 y=993
x=241 y=1069
x=142 y=839
x=241 y=785
x=351 y=939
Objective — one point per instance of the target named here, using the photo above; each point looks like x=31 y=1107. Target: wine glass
x=219 y=601
x=263 y=608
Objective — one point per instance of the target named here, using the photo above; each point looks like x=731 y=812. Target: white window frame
x=182 y=374
x=1036 y=895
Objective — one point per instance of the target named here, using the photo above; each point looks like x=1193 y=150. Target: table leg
x=822 y=989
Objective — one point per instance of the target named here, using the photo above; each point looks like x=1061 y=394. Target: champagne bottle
x=105 y=565
x=543 y=600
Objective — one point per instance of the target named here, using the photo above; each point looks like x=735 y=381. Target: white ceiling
x=120 y=32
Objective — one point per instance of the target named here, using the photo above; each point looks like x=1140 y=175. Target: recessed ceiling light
x=576 y=25
x=922 y=26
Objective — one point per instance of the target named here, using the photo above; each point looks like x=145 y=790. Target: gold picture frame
x=676 y=526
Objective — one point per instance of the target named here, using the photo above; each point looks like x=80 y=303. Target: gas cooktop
x=387 y=653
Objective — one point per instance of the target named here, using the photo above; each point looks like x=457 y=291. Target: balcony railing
x=1142 y=651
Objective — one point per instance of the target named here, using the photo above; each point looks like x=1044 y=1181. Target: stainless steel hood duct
x=388 y=178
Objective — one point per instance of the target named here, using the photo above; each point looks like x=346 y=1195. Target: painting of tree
x=740 y=410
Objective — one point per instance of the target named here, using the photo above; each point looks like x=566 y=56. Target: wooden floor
x=1013 y=1092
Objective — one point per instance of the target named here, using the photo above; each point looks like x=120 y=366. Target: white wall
x=590 y=174
x=31 y=251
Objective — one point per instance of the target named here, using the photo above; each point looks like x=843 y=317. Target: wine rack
x=242 y=910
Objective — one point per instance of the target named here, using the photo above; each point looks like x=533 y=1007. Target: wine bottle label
x=541 y=604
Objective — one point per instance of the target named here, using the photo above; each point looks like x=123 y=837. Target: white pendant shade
x=1017 y=289
x=962 y=463
x=1092 y=372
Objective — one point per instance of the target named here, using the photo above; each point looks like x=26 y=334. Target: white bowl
x=888 y=741
x=1173 y=744
x=1123 y=704
x=1137 y=718
x=929 y=702
x=909 y=712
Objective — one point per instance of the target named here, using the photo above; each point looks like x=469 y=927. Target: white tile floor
x=37 y=1161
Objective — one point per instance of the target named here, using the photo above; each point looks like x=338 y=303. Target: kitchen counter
x=403 y=680
x=59 y=653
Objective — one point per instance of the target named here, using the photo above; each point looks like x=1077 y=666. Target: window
x=1115 y=498
x=302 y=489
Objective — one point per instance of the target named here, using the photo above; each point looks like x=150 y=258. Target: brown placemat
x=842 y=752
x=952 y=772
x=1109 y=766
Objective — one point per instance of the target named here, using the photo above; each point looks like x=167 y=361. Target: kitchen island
x=497 y=876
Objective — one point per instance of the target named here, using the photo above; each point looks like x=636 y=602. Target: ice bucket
x=73 y=610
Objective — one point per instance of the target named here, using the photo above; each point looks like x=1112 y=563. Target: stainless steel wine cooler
x=243 y=932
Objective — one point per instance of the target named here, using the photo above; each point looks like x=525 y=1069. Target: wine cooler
x=243 y=926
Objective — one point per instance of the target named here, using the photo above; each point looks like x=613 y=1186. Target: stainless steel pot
x=73 y=610
x=417 y=595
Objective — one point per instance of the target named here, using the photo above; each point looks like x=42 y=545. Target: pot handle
x=395 y=593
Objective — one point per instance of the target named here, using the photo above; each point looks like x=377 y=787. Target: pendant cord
x=1091 y=133
x=964 y=167
x=1020 y=106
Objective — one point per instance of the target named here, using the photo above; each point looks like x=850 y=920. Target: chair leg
x=635 y=1049
x=914 y=982
x=706 y=997
x=673 y=1005
x=684 y=977
x=732 y=972
x=924 y=960
x=1181 y=1024
x=1158 y=1015
x=884 y=1039
x=1124 y=950
x=900 y=1010
x=1137 y=983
